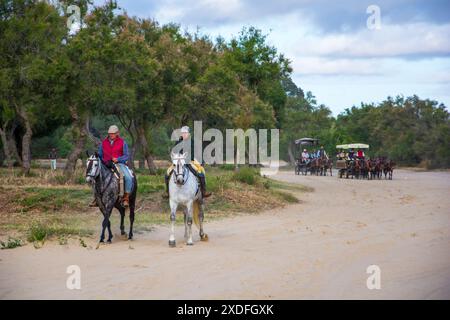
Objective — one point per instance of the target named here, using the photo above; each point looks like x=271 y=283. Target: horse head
x=92 y=167
x=179 y=164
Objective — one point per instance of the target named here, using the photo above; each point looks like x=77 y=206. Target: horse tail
x=196 y=214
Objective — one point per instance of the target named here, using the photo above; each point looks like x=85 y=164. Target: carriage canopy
x=307 y=141
x=353 y=146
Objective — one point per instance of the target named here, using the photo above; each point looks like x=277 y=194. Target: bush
x=247 y=175
x=216 y=183
x=37 y=232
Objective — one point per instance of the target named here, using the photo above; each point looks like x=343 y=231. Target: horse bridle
x=176 y=174
x=88 y=170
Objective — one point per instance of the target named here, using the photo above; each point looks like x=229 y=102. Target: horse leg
x=122 y=218
x=173 y=217
x=110 y=234
x=132 y=208
x=190 y=206
x=104 y=225
x=185 y=225
x=203 y=235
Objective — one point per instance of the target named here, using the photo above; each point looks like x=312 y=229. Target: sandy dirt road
x=319 y=248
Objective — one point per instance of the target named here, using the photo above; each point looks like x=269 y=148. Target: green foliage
x=150 y=78
x=11 y=243
x=37 y=233
x=409 y=130
x=247 y=175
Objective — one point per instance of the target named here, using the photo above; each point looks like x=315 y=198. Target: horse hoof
x=130 y=237
x=204 y=237
x=109 y=241
x=123 y=233
x=190 y=244
x=172 y=243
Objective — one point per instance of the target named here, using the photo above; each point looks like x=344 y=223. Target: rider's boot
x=166 y=194
x=126 y=200
x=205 y=194
x=93 y=204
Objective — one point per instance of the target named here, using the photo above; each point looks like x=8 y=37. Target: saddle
x=116 y=170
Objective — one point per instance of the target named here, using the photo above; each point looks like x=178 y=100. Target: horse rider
x=187 y=145
x=305 y=156
x=114 y=152
x=351 y=154
x=341 y=155
x=360 y=154
x=322 y=154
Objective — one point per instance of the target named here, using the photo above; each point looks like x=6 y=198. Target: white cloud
x=324 y=66
x=204 y=12
x=410 y=40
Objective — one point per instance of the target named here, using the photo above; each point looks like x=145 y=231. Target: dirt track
x=317 y=249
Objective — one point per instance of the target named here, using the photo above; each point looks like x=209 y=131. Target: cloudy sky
x=333 y=51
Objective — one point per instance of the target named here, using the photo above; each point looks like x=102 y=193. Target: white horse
x=184 y=189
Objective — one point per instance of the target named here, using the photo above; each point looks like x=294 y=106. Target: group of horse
x=372 y=168
x=183 y=190
x=317 y=166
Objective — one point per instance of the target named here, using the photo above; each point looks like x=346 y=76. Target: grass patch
x=11 y=243
x=39 y=232
x=247 y=175
x=287 y=197
x=52 y=199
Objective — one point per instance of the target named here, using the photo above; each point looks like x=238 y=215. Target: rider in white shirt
x=305 y=156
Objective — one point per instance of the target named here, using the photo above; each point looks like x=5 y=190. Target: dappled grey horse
x=184 y=189
x=106 y=191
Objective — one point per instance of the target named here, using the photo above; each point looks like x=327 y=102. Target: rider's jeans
x=127 y=177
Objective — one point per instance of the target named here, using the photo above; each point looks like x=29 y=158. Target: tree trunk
x=132 y=151
x=12 y=143
x=80 y=133
x=6 y=150
x=145 y=150
x=141 y=163
x=26 y=140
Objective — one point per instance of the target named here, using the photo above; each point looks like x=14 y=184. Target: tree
x=30 y=37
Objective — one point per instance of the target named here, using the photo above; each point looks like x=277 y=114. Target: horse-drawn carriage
x=315 y=165
x=351 y=166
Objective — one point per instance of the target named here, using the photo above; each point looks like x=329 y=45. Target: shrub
x=37 y=232
x=247 y=175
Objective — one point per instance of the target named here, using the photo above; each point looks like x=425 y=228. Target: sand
x=317 y=249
